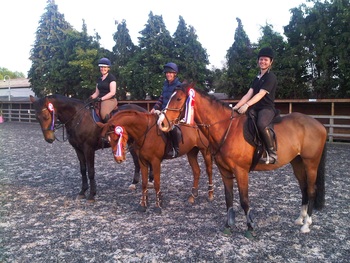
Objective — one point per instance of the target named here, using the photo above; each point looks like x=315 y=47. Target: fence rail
x=337 y=122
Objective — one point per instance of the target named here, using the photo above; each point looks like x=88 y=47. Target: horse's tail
x=320 y=181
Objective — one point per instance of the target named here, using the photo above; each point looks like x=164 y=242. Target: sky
x=214 y=21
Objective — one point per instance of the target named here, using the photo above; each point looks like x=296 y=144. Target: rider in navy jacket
x=171 y=82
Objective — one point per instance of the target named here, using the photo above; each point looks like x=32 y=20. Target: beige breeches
x=107 y=106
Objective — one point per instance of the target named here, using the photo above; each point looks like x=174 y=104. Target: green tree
x=84 y=60
x=320 y=35
x=156 y=48
x=124 y=50
x=239 y=64
x=189 y=54
x=13 y=75
x=340 y=12
x=295 y=58
x=50 y=71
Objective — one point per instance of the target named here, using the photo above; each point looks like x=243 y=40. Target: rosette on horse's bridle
x=189 y=112
x=119 y=131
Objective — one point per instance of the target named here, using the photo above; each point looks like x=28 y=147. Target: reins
x=54 y=127
x=206 y=126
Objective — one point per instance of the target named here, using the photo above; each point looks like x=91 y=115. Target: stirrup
x=172 y=153
x=269 y=159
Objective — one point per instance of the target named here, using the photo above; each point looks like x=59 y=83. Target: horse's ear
x=31 y=98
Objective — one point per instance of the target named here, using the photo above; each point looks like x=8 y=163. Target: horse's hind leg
x=135 y=159
x=306 y=176
x=136 y=178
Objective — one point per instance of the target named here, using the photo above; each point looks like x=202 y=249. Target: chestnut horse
x=301 y=141
x=83 y=133
x=151 y=144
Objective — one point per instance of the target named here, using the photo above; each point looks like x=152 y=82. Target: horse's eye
x=178 y=99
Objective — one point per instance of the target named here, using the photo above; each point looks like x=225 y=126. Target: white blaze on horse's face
x=160 y=119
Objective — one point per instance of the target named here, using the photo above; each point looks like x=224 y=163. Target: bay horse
x=151 y=145
x=300 y=138
x=83 y=134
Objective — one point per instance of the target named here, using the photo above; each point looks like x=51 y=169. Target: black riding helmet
x=265 y=52
x=170 y=67
x=104 y=62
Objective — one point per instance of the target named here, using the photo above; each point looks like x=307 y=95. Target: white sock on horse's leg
x=303 y=213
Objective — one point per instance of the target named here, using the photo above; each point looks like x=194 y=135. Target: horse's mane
x=203 y=93
x=65 y=98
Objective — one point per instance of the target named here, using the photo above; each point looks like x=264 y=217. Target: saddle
x=252 y=136
x=95 y=111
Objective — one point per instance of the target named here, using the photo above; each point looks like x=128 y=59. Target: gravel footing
x=42 y=221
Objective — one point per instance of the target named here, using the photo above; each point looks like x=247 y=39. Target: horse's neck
x=138 y=126
x=65 y=111
x=208 y=112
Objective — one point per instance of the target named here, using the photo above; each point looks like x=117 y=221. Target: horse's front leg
x=144 y=197
x=242 y=184
x=192 y=159
x=84 y=179
x=227 y=179
x=209 y=169
x=90 y=159
x=156 y=183
x=136 y=178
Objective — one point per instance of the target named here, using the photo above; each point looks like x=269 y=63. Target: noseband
x=177 y=120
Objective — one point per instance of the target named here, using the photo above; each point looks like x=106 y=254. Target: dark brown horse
x=151 y=144
x=301 y=141
x=83 y=133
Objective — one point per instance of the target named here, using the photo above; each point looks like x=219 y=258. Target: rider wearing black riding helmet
x=106 y=89
x=171 y=70
x=260 y=97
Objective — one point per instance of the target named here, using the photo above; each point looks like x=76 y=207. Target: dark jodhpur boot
x=271 y=156
x=105 y=120
x=175 y=134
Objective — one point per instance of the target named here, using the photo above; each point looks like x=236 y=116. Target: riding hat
x=170 y=67
x=265 y=52
x=104 y=62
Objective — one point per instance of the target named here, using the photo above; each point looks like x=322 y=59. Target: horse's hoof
x=305 y=229
x=81 y=196
x=227 y=231
x=141 y=208
x=210 y=198
x=250 y=234
x=91 y=200
x=299 y=221
x=158 y=210
x=191 y=199
x=132 y=187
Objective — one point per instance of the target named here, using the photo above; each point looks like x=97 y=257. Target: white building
x=15 y=89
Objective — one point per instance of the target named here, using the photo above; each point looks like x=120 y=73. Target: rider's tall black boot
x=175 y=133
x=105 y=120
x=268 y=137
